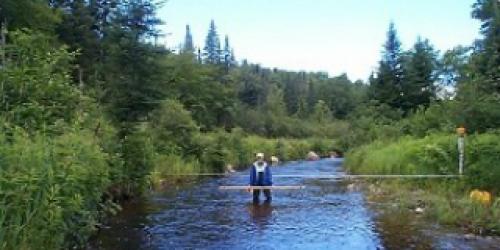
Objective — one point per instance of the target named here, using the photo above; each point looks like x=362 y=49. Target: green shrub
x=437 y=118
x=172 y=128
x=138 y=155
x=36 y=84
x=483 y=161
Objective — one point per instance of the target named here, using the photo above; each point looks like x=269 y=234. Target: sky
x=334 y=36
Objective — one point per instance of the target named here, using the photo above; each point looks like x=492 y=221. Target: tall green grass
x=51 y=189
x=433 y=154
x=173 y=168
x=436 y=154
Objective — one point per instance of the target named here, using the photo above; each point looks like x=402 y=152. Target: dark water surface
x=323 y=216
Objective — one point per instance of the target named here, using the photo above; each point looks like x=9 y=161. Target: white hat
x=259 y=155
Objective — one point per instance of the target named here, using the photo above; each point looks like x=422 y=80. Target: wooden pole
x=461 y=149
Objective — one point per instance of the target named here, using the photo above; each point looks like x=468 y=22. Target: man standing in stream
x=260 y=175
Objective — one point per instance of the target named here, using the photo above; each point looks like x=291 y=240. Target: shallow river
x=324 y=215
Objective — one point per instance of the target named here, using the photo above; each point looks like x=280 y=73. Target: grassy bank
x=434 y=154
x=446 y=201
x=220 y=149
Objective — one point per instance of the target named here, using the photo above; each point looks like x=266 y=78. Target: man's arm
x=252 y=178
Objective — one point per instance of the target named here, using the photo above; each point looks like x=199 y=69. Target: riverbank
x=446 y=201
x=437 y=201
x=412 y=208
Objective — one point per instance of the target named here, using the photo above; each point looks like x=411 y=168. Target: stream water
x=324 y=215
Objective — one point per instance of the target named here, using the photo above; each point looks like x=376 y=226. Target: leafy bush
x=172 y=128
x=36 y=89
x=439 y=117
x=138 y=155
x=483 y=161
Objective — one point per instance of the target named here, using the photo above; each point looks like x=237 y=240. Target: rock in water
x=274 y=160
x=312 y=156
x=419 y=210
x=230 y=169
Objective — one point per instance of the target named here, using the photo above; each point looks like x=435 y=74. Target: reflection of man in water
x=260 y=213
x=260 y=175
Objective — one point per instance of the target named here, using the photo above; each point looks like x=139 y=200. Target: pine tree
x=420 y=76
x=386 y=87
x=79 y=30
x=478 y=91
x=188 y=46
x=227 y=54
x=212 y=51
x=488 y=55
x=132 y=66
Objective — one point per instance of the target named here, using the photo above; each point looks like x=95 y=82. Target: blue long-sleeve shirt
x=266 y=180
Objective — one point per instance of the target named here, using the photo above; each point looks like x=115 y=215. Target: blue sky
x=335 y=36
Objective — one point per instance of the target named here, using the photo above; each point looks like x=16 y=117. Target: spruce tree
x=386 y=86
x=420 y=76
x=227 y=56
x=488 y=54
x=478 y=89
x=132 y=66
x=79 y=30
x=188 y=46
x=212 y=51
